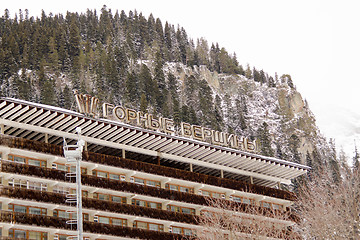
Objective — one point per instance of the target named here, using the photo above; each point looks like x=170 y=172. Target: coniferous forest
x=107 y=49
x=140 y=62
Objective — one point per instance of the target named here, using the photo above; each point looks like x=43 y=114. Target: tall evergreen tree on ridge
x=265 y=140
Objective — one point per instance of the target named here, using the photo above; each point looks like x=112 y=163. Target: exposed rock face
x=281 y=107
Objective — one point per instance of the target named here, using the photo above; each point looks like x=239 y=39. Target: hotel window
x=180 y=209
x=114 y=176
x=61 y=167
x=25 y=160
x=100 y=174
x=105 y=220
x=65 y=168
x=139 y=181
x=68 y=214
x=148 y=226
x=85 y=193
x=27 y=184
x=152 y=183
x=62 y=237
x=27 y=209
x=277 y=206
x=119 y=222
x=211 y=194
x=107 y=197
x=143 y=203
x=118 y=199
x=147 y=182
x=271 y=205
x=100 y=196
x=73 y=169
x=183 y=231
x=61 y=189
x=113 y=221
x=103 y=174
x=243 y=200
x=174 y=187
x=265 y=204
x=25 y=234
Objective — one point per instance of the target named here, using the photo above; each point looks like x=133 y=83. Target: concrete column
x=198 y=211
x=4 y=155
x=50 y=212
x=197 y=188
x=50 y=187
x=4 y=182
x=2 y=127
x=4 y=206
x=46 y=138
x=163 y=182
x=166 y=227
x=221 y=173
x=123 y=153
x=165 y=204
x=51 y=235
x=129 y=200
x=130 y=222
x=5 y=231
x=191 y=167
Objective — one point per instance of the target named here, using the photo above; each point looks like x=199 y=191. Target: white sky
x=317 y=42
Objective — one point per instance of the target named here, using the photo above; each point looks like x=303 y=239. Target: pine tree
x=68 y=97
x=167 y=42
x=356 y=159
x=48 y=94
x=143 y=103
x=248 y=73
x=192 y=116
x=271 y=82
x=185 y=114
x=334 y=165
x=265 y=140
x=53 y=55
x=172 y=83
x=202 y=50
x=159 y=82
x=206 y=103
x=279 y=153
x=24 y=86
x=256 y=75
x=317 y=161
x=132 y=91
x=309 y=163
x=74 y=44
x=146 y=84
x=294 y=144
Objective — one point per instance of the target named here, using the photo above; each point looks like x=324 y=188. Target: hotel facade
x=137 y=183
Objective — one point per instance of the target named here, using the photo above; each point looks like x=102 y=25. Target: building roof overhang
x=37 y=121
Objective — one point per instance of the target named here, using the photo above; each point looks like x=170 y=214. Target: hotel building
x=136 y=182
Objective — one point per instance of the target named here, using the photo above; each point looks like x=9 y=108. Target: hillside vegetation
x=141 y=63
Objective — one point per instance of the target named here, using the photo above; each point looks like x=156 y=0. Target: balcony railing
x=100 y=228
x=149 y=168
x=12 y=167
x=101 y=205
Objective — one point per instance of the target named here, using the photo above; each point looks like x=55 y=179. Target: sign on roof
x=88 y=105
